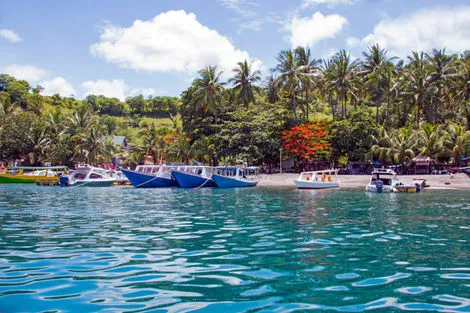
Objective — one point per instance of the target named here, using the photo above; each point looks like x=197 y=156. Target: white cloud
x=10 y=35
x=57 y=85
x=318 y=27
x=172 y=41
x=116 y=88
x=329 y=3
x=423 y=30
x=239 y=6
x=29 y=73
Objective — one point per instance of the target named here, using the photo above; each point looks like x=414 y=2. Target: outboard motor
x=418 y=187
x=64 y=181
x=379 y=185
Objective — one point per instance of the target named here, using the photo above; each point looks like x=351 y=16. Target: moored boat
x=31 y=174
x=150 y=176
x=193 y=176
x=87 y=176
x=386 y=180
x=226 y=177
x=317 y=180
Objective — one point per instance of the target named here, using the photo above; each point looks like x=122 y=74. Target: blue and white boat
x=193 y=176
x=151 y=176
x=85 y=175
x=230 y=176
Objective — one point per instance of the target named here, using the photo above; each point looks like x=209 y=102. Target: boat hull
x=187 y=180
x=373 y=188
x=230 y=182
x=315 y=185
x=103 y=183
x=141 y=180
x=22 y=179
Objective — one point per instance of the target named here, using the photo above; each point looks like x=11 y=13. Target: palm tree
x=180 y=148
x=457 y=140
x=272 y=89
x=208 y=89
x=244 y=82
x=430 y=140
x=375 y=68
x=94 y=143
x=203 y=150
x=308 y=67
x=290 y=76
x=444 y=69
x=403 y=146
x=153 y=142
x=342 y=76
x=419 y=81
x=382 y=144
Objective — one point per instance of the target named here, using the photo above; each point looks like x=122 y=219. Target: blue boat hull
x=141 y=180
x=229 y=182
x=186 y=180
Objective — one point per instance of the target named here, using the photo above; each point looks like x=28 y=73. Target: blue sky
x=122 y=48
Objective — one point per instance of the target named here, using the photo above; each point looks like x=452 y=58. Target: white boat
x=386 y=180
x=317 y=180
x=87 y=176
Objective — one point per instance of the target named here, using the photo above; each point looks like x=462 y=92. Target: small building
x=422 y=164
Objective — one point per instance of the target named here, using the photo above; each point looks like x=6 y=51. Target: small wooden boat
x=193 y=176
x=317 y=180
x=87 y=176
x=226 y=177
x=31 y=174
x=385 y=180
x=151 y=176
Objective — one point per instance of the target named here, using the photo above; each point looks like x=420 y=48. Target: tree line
x=379 y=108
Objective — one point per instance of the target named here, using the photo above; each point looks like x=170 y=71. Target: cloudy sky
x=123 y=48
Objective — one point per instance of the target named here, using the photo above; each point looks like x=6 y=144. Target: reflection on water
x=237 y=250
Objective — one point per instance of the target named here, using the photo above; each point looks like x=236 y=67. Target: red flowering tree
x=308 y=140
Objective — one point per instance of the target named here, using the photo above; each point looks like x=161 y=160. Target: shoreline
x=460 y=181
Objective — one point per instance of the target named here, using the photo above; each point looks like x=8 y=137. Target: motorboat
x=193 y=176
x=87 y=176
x=317 y=180
x=385 y=180
x=231 y=176
x=151 y=176
x=120 y=178
x=31 y=174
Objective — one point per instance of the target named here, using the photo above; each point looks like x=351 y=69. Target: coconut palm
x=290 y=76
x=443 y=70
x=244 y=82
x=272 y=89
x=203 y=150
x=430 y=140
x=382 y=144
x=308 y=67
x=457 y=140
x=420 y=83
x=179 y=149
x=153 y=142
x=208 y=89
x=403 y=147
x=342 y=77
x=375 y=67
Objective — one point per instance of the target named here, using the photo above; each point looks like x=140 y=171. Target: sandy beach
x=435 y=182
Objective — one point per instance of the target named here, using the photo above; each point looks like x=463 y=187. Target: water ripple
x=212 y=250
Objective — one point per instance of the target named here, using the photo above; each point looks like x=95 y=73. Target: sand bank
x=458 y=182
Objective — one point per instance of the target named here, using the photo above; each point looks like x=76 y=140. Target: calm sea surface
x=232 y=250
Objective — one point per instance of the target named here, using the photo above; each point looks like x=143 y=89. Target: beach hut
x=422 y=164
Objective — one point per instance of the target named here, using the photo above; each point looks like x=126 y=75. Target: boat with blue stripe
x=232 y=176
x=151 y=176
x=193 y=176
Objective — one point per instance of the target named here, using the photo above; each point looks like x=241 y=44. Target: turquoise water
x=238 y=250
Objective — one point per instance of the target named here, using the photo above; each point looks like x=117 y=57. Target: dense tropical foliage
x=378 y=108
